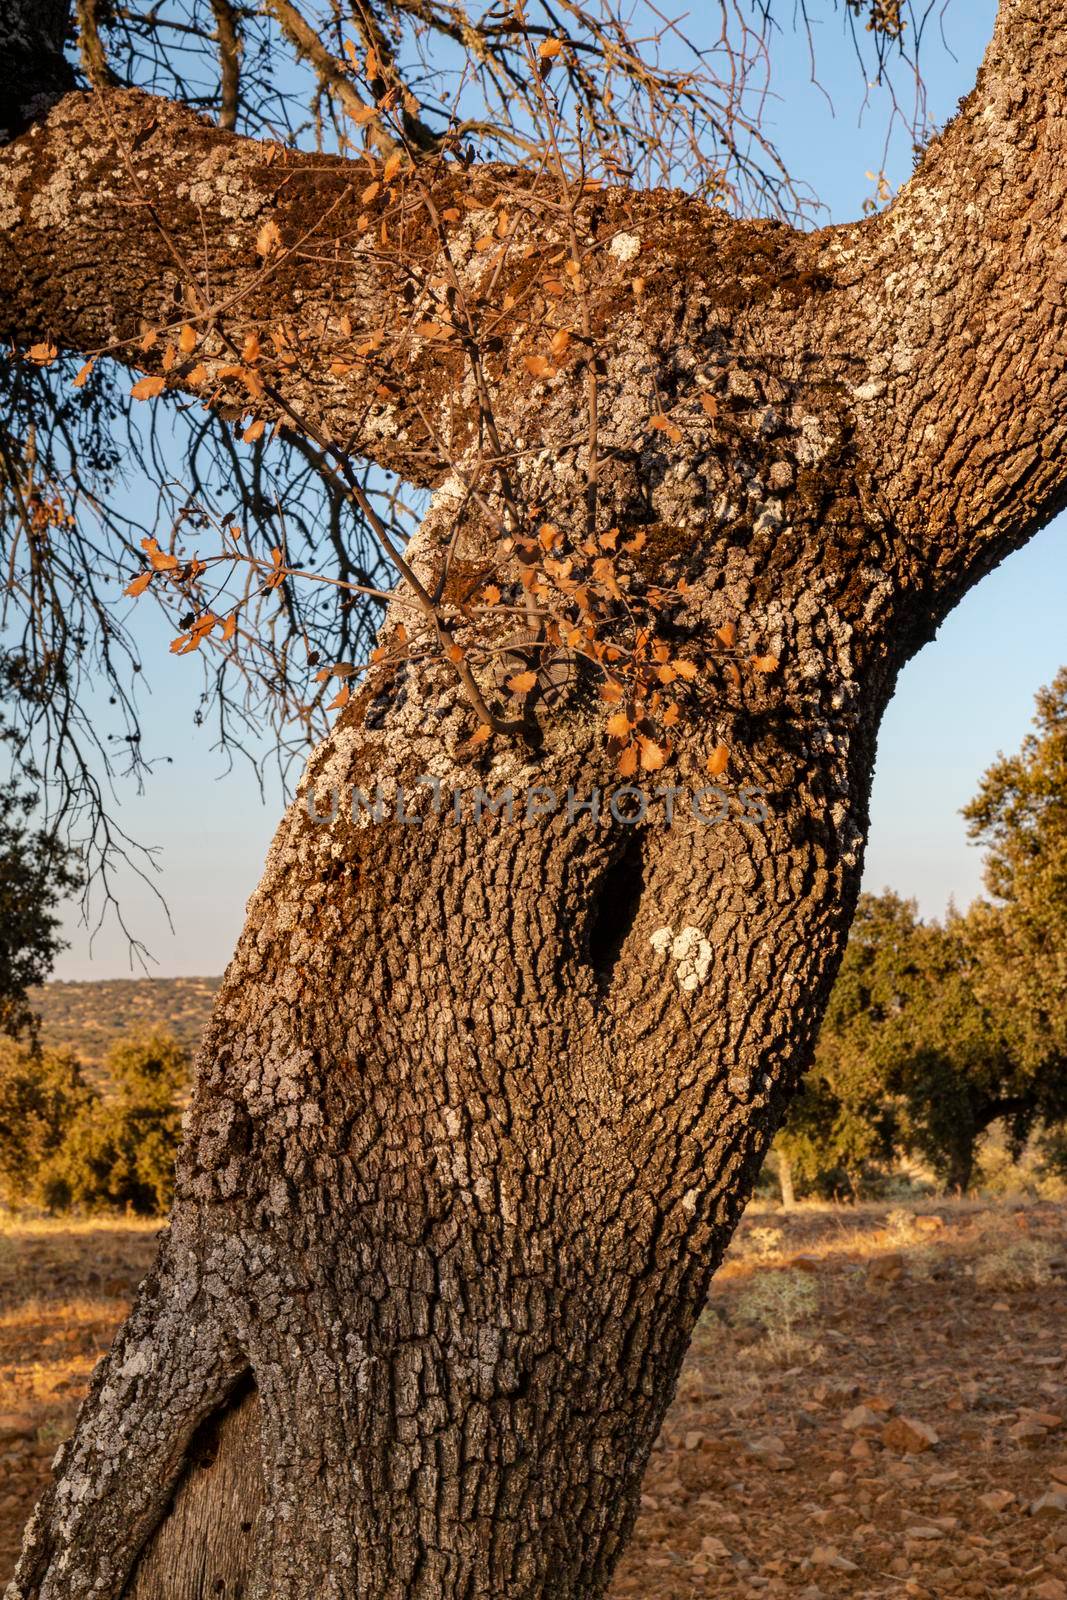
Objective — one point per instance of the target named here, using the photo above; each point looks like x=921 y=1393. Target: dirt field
x=874 y=1404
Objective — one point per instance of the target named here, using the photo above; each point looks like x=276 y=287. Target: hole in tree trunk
x=204 y=1547
x=615 y=906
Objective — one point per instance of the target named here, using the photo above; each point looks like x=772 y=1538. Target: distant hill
x=88 y=1018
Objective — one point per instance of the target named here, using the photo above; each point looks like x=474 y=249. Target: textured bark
x=482 y=1098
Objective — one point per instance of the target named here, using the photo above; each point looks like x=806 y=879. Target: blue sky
x=966 y=696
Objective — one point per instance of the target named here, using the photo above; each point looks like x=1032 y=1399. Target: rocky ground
x=875 y=1402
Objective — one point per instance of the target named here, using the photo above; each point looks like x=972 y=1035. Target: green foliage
x=42 y=1096
x=916 y=1055
x=36 y=872
x=63 y=1146
x=1020 y=941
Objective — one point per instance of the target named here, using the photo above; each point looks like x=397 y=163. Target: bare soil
x=874 y=1404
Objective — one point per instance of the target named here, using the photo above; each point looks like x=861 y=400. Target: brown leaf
x=42 y=353
x=522 y=682
x=717 y=761
x=765 y=663
x=147 y=388
x=549 y=49
x=268 y=238
x=83 y=372
x=653 y=756
x=139 y=584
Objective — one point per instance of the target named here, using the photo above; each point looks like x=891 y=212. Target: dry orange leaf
x=653 y=755
x=561 y=343
x=364 y=115
x=250 y=351
x=229 y=627
x=619 y=725
x=139 y=584
x=480 y=734
x=727 y=634
x=628 y=761
x=716 y=762
x=538 y=367
x=451 y=214
x=187 y=340
x=522 y=682
x=765 y=663
x=710 y=404
x=341 y=698
x=84 y=372
x=491 y=595
x=371 y=192
x=147 y=388
x=392 y=166
x=665 y=425
x=268 y=238
x=254 y=431
x=685 y=669
x=549 y=49
x=198 y=375
x=42 y=353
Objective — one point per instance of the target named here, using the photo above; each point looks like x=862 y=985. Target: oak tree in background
x=1019 y=939
x=483 y=1097
x=915 y=1057
x=38 y=871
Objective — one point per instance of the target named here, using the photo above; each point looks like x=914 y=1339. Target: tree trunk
x=478 y=1109
x=485 y=1091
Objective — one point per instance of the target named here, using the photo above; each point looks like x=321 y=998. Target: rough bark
x=482 y=1097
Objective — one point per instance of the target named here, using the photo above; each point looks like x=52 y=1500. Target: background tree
x=912 y=1059
x=1019 y=941
x=42 y=1095
x=482 y=1099
x=37 y=871
x=118 y=1153
x=66 y=1145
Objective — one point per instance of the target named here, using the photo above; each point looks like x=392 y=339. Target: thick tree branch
x=124 y=214
x=963 y=283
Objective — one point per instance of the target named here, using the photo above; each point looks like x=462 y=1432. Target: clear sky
x=968 y=695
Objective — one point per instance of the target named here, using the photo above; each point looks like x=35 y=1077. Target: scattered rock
x=887 y=1268
x=1051 y=1505
x=997 y=1500
x=824 y=1555
x=1028 y=1432
x=861 y=1417
x=908 y=1435
x=14 y=1425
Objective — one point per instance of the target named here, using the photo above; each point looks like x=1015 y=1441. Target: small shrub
x=778 y=1301
x=1021 y=1265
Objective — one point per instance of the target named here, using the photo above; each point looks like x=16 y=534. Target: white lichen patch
x=625 y=247
x=689 y=949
